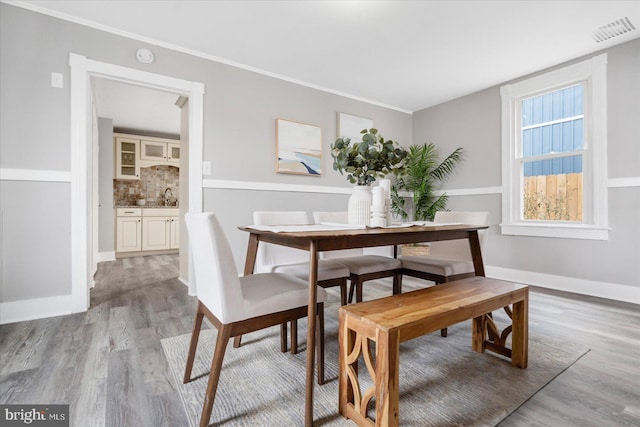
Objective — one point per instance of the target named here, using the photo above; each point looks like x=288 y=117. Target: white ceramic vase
x=359 y=210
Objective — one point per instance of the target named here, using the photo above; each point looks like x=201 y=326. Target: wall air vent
x=613 y=29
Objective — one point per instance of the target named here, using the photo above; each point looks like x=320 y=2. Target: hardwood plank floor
x=108 y=365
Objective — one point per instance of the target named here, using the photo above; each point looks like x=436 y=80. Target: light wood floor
x=108 y=365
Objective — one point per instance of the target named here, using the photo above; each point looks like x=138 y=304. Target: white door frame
x=82 y=69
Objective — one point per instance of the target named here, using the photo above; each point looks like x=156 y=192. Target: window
x=554 y=153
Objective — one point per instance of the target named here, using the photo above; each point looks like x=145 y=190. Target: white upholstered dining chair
x=448 y=260
x=362 y=266
x=281 y=259
x=239 y=305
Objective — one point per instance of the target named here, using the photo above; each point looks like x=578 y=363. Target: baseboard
x=613 y=291
x=38 y=308
x=106 y=256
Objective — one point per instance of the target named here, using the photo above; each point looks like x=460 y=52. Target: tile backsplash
x=152 y=184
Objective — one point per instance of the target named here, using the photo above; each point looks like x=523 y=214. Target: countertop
x=146 y=207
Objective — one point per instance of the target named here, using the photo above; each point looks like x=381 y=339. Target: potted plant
x=363 y=162
x=421 y=176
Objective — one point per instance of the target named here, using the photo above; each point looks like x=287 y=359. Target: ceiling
x=137 y=108
x=407 y=55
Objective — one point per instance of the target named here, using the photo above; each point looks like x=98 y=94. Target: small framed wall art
x=298 y=148
x=350 y=126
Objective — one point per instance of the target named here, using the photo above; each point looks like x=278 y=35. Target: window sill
x=563 y=231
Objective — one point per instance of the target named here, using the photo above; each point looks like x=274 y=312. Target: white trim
x=80 y=148
x=37 y=308
x=302 y=188
x=594 y=225
x=184 y=282
x=273 y=186
x=633 y=181
x=106 y=256
x=8 y=174
x=149 y=40
x=564 y=231
x=470 y=191
x=614 y=291
x=82 y=69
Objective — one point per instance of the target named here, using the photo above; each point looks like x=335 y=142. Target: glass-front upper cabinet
x=152 y=150
x=127 y=166
x=174 y=152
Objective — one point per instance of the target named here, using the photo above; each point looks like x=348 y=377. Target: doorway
x=147 y=122
x=83 y=153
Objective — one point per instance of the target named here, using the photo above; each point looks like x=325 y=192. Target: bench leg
x=520 y=337
x=346 y=342
x=387 y=381
x=479 y=333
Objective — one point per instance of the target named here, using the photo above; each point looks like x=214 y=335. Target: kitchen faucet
x=167 y=196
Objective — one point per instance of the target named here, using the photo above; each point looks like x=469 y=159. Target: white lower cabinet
x=128 y=230
x=153 y=229
x=175 y=232
x=156 y=233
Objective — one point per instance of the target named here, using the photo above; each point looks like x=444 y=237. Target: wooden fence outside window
x=553 y=197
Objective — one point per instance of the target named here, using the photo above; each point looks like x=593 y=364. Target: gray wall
x=106 y=234
x=240 y=109
x=473 y=122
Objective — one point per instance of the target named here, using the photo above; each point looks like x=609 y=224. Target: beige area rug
x=442 y=381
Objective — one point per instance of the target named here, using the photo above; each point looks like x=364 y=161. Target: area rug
x=442 y=381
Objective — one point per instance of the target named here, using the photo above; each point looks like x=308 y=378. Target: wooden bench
x=392 y=320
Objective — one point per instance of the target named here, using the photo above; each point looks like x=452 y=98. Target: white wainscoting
x=606 y=290
x=275 y=186
x=106 y=256
x=7 y=174
x=37 y=308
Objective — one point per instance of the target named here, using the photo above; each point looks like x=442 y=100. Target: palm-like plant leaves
x=423 y=172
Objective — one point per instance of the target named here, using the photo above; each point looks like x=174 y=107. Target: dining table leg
x=311 y=336
x=252 y=251
x=476 y=253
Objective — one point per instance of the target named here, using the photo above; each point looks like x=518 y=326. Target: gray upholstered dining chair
x=362 y=266
x=239 y=305
x=448 y=260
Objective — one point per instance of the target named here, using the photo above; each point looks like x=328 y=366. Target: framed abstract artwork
x=299 y=148
x=350 y=126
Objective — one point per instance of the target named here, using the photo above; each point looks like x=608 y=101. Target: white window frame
x=594 y=225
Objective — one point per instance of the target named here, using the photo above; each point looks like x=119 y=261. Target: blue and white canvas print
x=299 y=148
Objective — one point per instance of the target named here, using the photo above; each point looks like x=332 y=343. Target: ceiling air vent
x=613 y=29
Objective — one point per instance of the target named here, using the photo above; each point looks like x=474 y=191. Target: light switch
x=57 y=80
x=206 y=168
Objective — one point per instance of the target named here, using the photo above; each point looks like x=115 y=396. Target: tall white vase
x=359 y=210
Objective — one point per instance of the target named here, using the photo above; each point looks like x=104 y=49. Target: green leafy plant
x=365 y=161
x=421 y=176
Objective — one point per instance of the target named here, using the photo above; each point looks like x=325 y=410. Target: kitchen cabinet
x=127 y=152
x=160 y=152
x=147 y=229
x=175 y=232
x=136 y=151
x=158 y=229
x=128 y=230
x=173 y=153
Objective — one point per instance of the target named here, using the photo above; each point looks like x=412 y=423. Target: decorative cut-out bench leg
x=387 y=378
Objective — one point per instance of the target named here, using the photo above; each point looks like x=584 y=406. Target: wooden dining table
x=318 y=239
